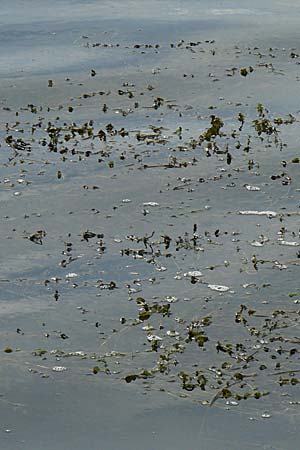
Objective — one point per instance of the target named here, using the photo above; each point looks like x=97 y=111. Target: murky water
x=131 y=237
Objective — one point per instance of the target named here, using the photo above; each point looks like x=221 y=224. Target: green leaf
x=130 y=378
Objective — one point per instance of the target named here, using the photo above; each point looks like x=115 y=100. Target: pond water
x=149 y=189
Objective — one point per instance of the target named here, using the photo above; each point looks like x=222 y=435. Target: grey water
x=42 y=408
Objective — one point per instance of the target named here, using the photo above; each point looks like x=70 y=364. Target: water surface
x=171 y=64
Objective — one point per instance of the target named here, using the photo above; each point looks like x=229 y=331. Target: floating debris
x=252 y=188
x=217 y=287
x=232 y=403
x=152 y=337
x=261 y=242
x=171 y=299
x=280 y=266
x=175 y=336
x=288 y=243
x=194 y=273
x=257 y=244
x=59 y=369
x=37 y=237
x=258 y=213
x=150 y=204
x=8 y=350
x=172 y=333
